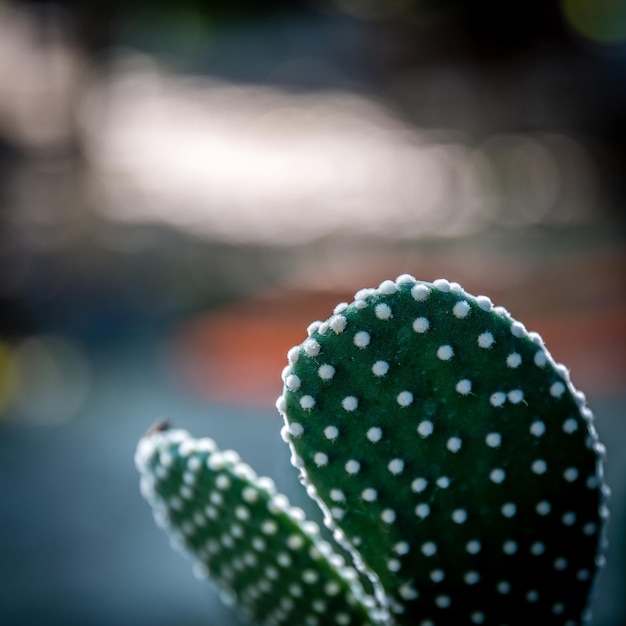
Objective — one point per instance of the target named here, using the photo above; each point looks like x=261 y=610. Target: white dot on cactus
x=166 y=459
x=250 y=495
x=296 y=429
x=583 y=574
x=360 y=304
x=216 y=498
x=269 y=527
x=394 y=565
x=445 y=353
x=383 y=311
x=331 y=432
x=395 y=466
x=557 y=389
x=194 y=464
x=429 y=548
x=421 y=325
x=497 y=475
x=336 y=495
x=271 y=572
x=343 y=619
x=477 y=617
x=485 y=340
x=418 y=485
x=369 y=494
x=569 y=518
x=493 y=440
x=380 y=368
x=283 y=559
x=295 y=590
x=362 y=294
x=281 y=404
x=558 y=608
x=518 y=329
x=210 y=511
x=497 y=399
x=407 y=592
x=513 y=360
x=242 y=513
x=515 y=396
x=258 y=543
x=420 y=292
x=570 y=474
x=361 y=339
x=532 y=595
x=312 y=327
x=310 y=576
x=422 y=510
x=222 y=482
x=537 y=548
x=176 y=503
x=307 y=402
x=540 y=359
x=338 y=323
x=405 y=279
x=340 y=308
x=459 y=516
x=590 y=529
x=442 y=284
x=537 y=428
x=437 y=575
x=326 y=371
x=388 y=516
x=543 y=507
x=454 y=444
x=461 y=309
x=443 y=602
x=464 y=387
x=350 y=403
x=509 y=509
x=425 y=428
x=405 y=398
x=311 y=347
x=352 y=467
x=227 y=541
x=509 y=547
x=503 y=587
x=320 y=459
x=471 y=577
x=443 y=482
x=560 y=564
x=484 y=303
x=374 y=434
x=539 y=466
x=401 y=548
x=473 y=546
x=570 y=425
x=332 y=588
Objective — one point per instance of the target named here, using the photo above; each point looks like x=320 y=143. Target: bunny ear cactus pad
x=450 y=454
x=264 y=556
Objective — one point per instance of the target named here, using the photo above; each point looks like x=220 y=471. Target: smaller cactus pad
x=451 y=455
x=264 y=556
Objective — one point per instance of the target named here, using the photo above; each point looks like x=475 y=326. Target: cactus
x=451 y=456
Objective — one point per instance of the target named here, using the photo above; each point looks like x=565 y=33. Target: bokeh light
x=599 y=21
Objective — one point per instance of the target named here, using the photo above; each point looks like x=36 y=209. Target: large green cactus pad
x=264 y=556
x=451 y=454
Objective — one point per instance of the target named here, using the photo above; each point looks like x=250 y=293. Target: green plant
x=452 y=459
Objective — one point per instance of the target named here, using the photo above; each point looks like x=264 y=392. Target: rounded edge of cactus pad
x=337 y=323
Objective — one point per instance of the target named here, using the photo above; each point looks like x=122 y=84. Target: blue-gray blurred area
x=185 y=186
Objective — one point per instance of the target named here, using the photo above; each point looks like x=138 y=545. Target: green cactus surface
x=266 y=559
x=451 y=454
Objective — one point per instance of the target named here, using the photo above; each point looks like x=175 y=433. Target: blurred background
x=185 y=186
